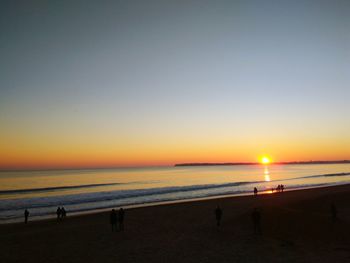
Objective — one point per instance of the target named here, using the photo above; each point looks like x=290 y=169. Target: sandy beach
x=296 y=227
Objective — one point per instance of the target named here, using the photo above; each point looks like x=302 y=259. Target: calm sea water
x=87 y=190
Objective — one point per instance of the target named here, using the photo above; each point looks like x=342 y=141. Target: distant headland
x=256 y=163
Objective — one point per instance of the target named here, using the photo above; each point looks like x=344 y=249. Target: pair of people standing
x=117 y=219
x=280 y=188
x=61 y=213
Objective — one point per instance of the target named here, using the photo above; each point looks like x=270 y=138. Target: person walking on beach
x=113 y=220
x=282 y=188
x=59 y=213
x=63 y=212
x=255 y=191
x=26 y=215
x=121 y=214
x=218 y=215
x=256 y=216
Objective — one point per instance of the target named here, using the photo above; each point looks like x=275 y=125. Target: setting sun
x=265 y=160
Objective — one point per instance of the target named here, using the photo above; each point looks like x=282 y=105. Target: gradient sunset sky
x=130 y=83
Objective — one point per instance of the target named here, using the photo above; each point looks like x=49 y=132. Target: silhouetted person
x=113 y=220
x=334 y=212
x=59 y=213
x=282 y=188
x=63 y=213
x=218 y=215
x=256 y=216
x=26 y=215
x=121 y=214
x=278 y=188
x=255 y=191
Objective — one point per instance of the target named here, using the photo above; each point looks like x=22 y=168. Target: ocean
x=82 y=191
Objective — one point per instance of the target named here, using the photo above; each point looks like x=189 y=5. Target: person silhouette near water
x=121 y=215
x=218 y=215
x=255 y=191
x=282 y=188
x=113 y=220
x=256 y=216
x=26 y=215
x=59 y=213
x=63 y=213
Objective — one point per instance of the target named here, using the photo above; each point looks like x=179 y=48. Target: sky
x=133 y=83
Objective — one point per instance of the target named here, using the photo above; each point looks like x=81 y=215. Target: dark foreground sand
x=296 y=228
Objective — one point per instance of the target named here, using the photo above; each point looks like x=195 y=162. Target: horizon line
x=34 y=169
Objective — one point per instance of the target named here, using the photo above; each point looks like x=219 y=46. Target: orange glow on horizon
x=68 y=153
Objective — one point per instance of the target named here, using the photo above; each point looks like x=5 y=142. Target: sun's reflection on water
x=267 y=174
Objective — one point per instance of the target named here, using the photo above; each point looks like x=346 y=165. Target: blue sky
x=211 y=73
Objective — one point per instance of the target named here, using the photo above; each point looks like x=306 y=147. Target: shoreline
x=42 y=199
x=52 y=217
x=296 y=227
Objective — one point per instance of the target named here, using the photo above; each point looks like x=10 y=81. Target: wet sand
x=296 y=226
